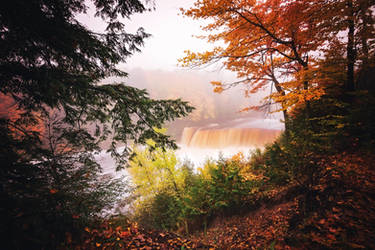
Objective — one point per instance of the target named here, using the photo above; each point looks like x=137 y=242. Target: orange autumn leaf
x=9 y=109
x=125 y=234
x=53 y=191
x=218 y=89
x=215 y=83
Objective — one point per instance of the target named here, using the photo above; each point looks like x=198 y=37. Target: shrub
x=176 y=197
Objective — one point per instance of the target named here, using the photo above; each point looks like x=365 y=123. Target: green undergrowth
x=172 y=196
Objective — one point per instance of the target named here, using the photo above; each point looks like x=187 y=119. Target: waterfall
x=227 y=137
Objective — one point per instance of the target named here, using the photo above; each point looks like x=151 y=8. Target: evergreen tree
x=56 y=112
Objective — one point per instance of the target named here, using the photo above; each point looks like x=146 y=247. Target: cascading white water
x=227 y=137
x=240 y=135
x=200 y=143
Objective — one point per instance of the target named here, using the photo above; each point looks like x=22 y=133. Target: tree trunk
x=350 y=48
x=285 y=112
x=366 y=19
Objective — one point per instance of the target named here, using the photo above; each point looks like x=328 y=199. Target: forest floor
x=341 y=216
x=265 y=227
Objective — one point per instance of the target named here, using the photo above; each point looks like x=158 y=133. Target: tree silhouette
x=50 y=64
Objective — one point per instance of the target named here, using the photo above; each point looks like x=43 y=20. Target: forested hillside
x=312 y=188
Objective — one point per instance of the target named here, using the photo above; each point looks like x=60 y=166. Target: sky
x=171 y=34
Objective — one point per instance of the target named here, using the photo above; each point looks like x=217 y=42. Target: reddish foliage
x=344 y=216
x=108 y=236
x=259 y=229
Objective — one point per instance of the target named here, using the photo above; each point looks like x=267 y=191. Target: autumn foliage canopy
x=286 y=44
